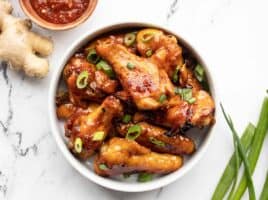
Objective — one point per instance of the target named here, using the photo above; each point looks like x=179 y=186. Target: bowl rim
x=31 y=13
x=106 y=182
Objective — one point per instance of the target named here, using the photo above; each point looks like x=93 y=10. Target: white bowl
x=85 y=168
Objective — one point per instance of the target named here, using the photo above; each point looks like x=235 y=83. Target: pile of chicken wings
x=131 y=97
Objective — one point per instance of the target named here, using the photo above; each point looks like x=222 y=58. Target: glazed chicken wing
x=89 y=130
x=98 y=83
x=139 y=77
x=119 y=156
x=166 y=51
x=155 y=138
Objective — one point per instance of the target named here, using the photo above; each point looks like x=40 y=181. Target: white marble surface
x=232 y=37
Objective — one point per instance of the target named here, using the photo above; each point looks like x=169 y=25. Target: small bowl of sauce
x=58 y=14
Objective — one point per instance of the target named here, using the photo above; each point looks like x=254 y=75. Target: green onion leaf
x=242 y=154
x=98 y=136
x=92 y=56
x=149 y=52
x=133 y=132
x=175 y=76
x=82 y=80
x=162 y=98
x=186 y=94
x=129 y=39
x=145 y=177
x=78 y=145
x=126 y=118
x=157 y=142
x=104 y=66
x=264 y=193
x=103 y=167
x=199 y=73
x=230 y=170
x=257 y=143
x=130 y=66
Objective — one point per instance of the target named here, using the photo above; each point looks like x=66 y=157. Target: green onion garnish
x=104 y=66
x=230 y=170
x=98 y=136
x=162 y=98
x=186 y=94
x=242 y=154
x=78 y=145
x=92 y=56
x=145 y=177
x=82 y=80
x=129 y=39
x=130 y=66
x=133 y=132
x=149 y=52
x=103 y=167
x=157 y=142
x=175 y=76
x=147 y=37
x=126 y=118
x=199 y=73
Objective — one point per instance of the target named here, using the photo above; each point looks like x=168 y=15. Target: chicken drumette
x=88 y=131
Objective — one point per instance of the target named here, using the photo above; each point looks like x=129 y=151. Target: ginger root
x=24 y=49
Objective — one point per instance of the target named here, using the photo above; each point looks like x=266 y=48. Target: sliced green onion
x=130 y=66
x=92 y=56
x=147 y=37
x=145 y=177
x=82 y=80
x=133 y=132
x=98 y=136
x=186 y=94
x=149 y=53
x=257 y=143
x=129 y=39
x=78 y=145
x=199 y=73
x=264 y=193
x=162 y=98
x=126 y=118
x=103 y=167
x=175 y=76
x=157 y=142
x=229 y=172
x=104 y=66
x=242 y=154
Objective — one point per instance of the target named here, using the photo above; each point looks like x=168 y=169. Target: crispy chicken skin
x=126 y=156
x=85 y=125
x=155 y=138
x=99 y=84
x=166 y=51
x=145 y=83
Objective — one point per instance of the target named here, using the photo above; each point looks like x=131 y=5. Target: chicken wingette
x=119 y=155
x=139 y=77
x=155 y=138
x=88 y=131
x=98 y=84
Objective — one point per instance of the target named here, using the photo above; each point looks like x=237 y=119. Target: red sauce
x=60 y=11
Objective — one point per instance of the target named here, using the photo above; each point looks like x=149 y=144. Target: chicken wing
x=85 y=127
x=155 y=138
x=98 y=86
x=119 y=156
x=140 y=77
x=166 y=51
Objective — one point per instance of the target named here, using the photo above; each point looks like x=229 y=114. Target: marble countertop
x=231 y=35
